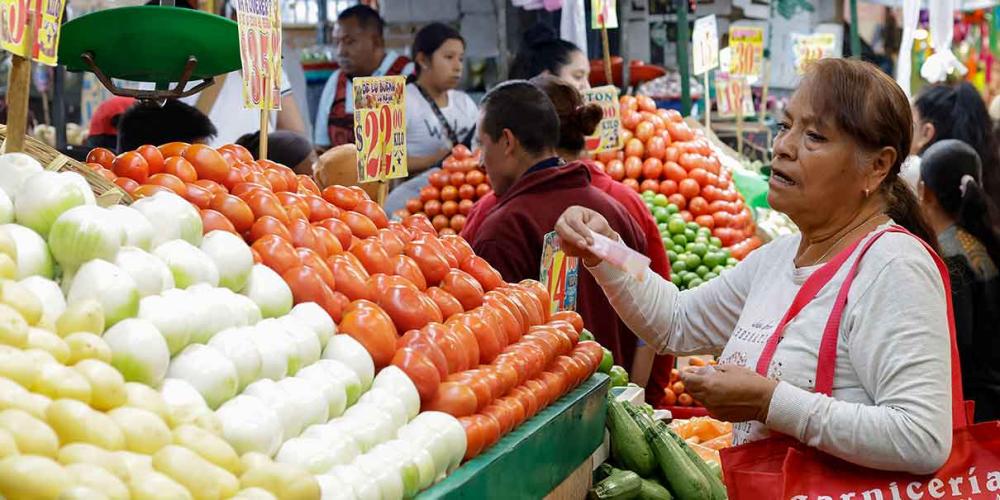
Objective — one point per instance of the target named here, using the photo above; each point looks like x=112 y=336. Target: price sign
x=46 y=19
x=730 y=93
x=559 y=274
x=747 y=44
x=380 y=127
x=812 y=47
x=705 y=45
x=607 y=136
x=259 y=24
x=603 y=14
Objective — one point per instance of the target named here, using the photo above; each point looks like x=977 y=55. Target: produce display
x=451 y=191
x=650 y=460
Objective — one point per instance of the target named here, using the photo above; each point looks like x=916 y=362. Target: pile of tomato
x=476 y=347
x=664 y=155
x=451 y=191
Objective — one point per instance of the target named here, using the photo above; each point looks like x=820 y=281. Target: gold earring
x=866 y=193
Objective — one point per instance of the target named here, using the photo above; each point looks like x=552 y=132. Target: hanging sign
x=607 y=136
x=46 y=17
x=747 y=45
x=559 y=274
x=730 y=92
x=603 y=14
x=380 y=127
x=812 y=47
x=705 y=45
x=259 y=24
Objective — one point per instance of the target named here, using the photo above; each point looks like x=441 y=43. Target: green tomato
x=679 y=239
x=648 y=194
x=673 y=209
x=715 y=242
x=606 y=362
x=688 y=277
x=699 y=249
x=701 y=271
x=619 y=377
x=661 y=214
x=672 y=255
x=704 y=231
x=693 y=226
x=676 y=280
x=586 y=335
x=710 y=275
x=713 y=259
x=660 y=200
x=695 y=283
x=692 y=261
x=731 y=262
x=717 y=270
x=679 y=266
x=675 y=226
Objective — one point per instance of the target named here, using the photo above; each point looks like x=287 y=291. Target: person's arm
x=898 y=344
x=321 y=136
x=289 y=117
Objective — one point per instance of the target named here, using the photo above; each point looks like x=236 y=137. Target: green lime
x=679 y=266
x=679 y=239
x=718 y=270
x=689 y=247
x=675 y=226
x=731 y=261
x=693 y=226
x=660 y=200
x=713 y=259
x=586 y=335
x=701 y=271
x=692 y=261
x=662 y=226
x=709 y=276
x=694 y=283
x=688 y=277
x=725 y=253
x=673 y=209
x=690 y=235
x=648 y=194
x=704 y=231
x=715 y=242
x=701 y=239
x=668 y=244
x=606 y=362
x=672 y=255
x=619 y=377
x=699 y=249
x=661 y=214
x=676 y=280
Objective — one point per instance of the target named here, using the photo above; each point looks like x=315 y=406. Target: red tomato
x=536 y=312
x=239 y=152
x=350 y=279
x=688 y=188
x=432 y=263
x=153 y=157
x=330 y=243
x=480 y=387
x=342 y=197
x=528 y=400
x=429 y=193
x=101 y=156
x=447 y=303
x=318 y=208
x=644 y=130
x=633 y=167
x=244 y=189
x=307 y=185
x=391 y=241
x=649 y=185
x=340 y=230
x=268 y=225
x=488 y=277
x=421 y=371
x=373 y=328
x=487 y=338
x=173 y=149
x=656 y=147
x=668 y=187
x=277 y=253
x=467 y=191
x=453 y=398
x=652 y=168
x=463 y=287
x=207 y=162
x=403 y=305
x=438 y=179
x=635 y=147
x=446 y=340
x=212 y=220
x=235 y=209
x=311 y=259
x=475 y=177
x=170 y=182
x=468 y=339
x=373 y=257
x=131 y=165
x=212 y=186
x=198 y=196
x=181 y=168
x=127 y=184
x=449 y=193
x=360 y=225
x=407 y=268
x=475 y=436
x=308 y=286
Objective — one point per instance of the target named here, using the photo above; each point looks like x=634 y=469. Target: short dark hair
x=526 y=111
x=429 y=39
x=541 y=50
x=283 y=146
x=149 y=123
x=367 y=17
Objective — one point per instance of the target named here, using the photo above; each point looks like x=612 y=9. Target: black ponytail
x=427 y=41
x=904 y=209
x=541 y=50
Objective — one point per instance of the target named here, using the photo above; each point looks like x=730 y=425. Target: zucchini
x=622 y=485
x=683 y=476
x=716 y=469
x=604 y=470
x=718 y=489
x=652 y=490
x=628 y=444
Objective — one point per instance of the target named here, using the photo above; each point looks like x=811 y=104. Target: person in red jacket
x=519 y=130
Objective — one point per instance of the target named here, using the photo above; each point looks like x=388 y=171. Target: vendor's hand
x=574 y=229
x=731 y=393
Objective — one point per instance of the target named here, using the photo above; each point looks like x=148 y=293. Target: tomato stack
x=451 y=191
x=474 y=346
x=663 y=155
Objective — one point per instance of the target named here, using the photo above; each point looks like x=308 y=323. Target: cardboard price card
x=812 y=47
x=608 y=135
x=259 y=24
x=730 y=93
x=46 y=20
x=705 y=43
x=380 y=127
x=603 y=14
x=747 y=44
x=559 y=274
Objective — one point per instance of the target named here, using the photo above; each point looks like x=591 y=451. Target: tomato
x=304 y=236
x=649 y=185
x=483 y=190
x=679 y=131
x=467 y=339
x=212 y=220
x=484 y=274
x=534 y=357
x=453 y=398
x=268 y=225
x=536 y=312
x=593 y=350
x=480 y=387
x=340 y=230
x=373 y=257
x=503 y=415
x=170 y=182
x=432 y=263
x=173 y=149
x=350 y=279
x=311 y=259
x=402 y=304
x=308 y=286
x=198 y=196
x=496 y=323
x=679 y=200
x=528 y=400
x=698 y=206
x=515 y=407
x=149 y=190
x=233 y=177
x=408 y=269
x=447 y=303
x=571 y=317
x=360 y=225
x=152 y=155
x=131 y=165
x=126 y=184
x=244 y=189
x=180 y=168
x=463 y=287
x=542 y=392
x=631 y=184
x=207 y=162
x=372 y=327
x=459 y=247
x=497 y=385
x=235 y=209
x=509 y=324
x=341 y=196
x=475 y=436
x=652 y=168
x=688 y=188
x=633 y=167
x=330 y=243
x=266 y=203
x=239 y=152
x=420 y=369
x=290 y=201
x=506 y=375
x=277 y=253
x=307 y=185
x=487 y=338
x=497 y=299
x=635 y=148
x=318 y=208
x=101 y=156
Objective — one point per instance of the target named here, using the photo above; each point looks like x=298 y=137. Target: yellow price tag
x=260 y=52
x=380 y=127
x=812 y=47
x=46 y=19
x=607 y=136
x=747 y=44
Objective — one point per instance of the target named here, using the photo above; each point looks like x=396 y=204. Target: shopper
x=285 y=147
x=543 y=52
x=837 y=156
x=955 y=204
x=438 y=117
x=150 y=123
x=957 y=111
x=104 y=123
x=360 y=52
x=519 y=132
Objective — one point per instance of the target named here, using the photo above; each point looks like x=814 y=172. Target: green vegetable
x=622 y=485
x=718 y=490
x=652 y=490
x=628 y=445
x=604 y=470
x=684 y=477
x=619 y=376
x=586 y=335
x=606 y=362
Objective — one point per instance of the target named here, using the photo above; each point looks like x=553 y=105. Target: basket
x=106 y=192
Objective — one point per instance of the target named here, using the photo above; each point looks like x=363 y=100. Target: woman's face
x=817 y=170
x=445 y=66
x=576 y=71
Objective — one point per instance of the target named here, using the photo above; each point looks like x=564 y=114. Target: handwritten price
x=745 y=58
x=380 y=133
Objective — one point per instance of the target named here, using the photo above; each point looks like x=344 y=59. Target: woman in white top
x=835 y=173
x=438 y=117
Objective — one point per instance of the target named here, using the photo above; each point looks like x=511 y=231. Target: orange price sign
x=259 y=24
x=46 y=19
x=559 y=274
x=380 y=127
x=747 y=45
x=608 y=135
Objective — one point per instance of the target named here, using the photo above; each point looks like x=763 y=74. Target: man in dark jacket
x=518 y=133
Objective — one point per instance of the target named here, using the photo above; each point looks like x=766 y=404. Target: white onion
x=49 y=295
x=44 y=197
x=349 y=351
x=398 y=383
x=138 y=351
x=235 y=344
x=138 y=229
x=308 y=402
x=150 y=274
x=84 y=233
x=112 y=287
x=271 y=294
x=292 y=420
x=187 y=263
x=342 y=373
x=250 y=424
x=334 y=391
x=313 y=315
x=209 y=371
x=15 y=168
x=231 y=256
x=172 y=216
x=33 y=258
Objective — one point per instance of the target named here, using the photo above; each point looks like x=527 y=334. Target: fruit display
x=664 y=155
x=451 y=191
x=674 y=393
